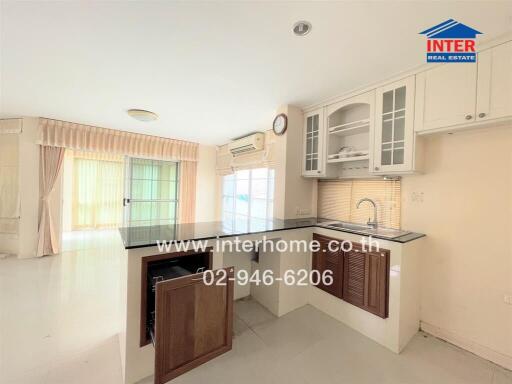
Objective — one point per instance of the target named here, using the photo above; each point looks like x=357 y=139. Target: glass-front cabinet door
x=394 y=127
x=313 y=141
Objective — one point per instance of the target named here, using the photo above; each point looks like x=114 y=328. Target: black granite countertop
x=139 y=237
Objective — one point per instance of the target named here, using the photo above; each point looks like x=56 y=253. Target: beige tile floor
x=59 y=324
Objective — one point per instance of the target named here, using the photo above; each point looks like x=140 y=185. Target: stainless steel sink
x=387 y=233
x=349 y=226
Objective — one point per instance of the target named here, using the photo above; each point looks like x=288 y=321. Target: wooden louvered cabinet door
x=360 y=277
x=354 y=277
x=366 y=280
x=326 y=259
x=376 y=283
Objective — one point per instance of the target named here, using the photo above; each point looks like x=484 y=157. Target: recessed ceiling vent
x=302 y=28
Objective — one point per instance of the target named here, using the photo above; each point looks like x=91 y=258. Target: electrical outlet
x=302 y=211
x=507 y=299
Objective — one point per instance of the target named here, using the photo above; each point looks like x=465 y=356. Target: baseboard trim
x=469 y=345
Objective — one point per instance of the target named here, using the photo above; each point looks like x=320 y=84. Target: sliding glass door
x=151 y=192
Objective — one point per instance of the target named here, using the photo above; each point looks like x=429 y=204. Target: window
x=153 y=191
x=248 y=199
x=337 y=201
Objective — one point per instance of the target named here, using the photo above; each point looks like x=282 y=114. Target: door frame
x=127 y=199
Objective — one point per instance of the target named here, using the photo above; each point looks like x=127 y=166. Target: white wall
x=206 y=184
x=9 y=156
x=463 y=202
x=292 y=191
x=29 y=189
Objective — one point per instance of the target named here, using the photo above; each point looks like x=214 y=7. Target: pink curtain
x=51 y=159
x=58 y=133
x=187 y=197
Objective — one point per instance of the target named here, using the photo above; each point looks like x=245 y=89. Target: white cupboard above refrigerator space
x=456 y=96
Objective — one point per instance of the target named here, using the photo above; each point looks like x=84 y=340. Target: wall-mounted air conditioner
x=251 y=143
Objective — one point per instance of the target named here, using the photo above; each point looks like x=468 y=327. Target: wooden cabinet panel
x=366 y=280
x=354 y=277
x=360 y=277
x=376 y=283
x=324 y=260
x=494 y=96
x=193 y=323
x=190 y=260
x=445 y=96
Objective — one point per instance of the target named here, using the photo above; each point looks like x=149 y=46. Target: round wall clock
x=280 y=124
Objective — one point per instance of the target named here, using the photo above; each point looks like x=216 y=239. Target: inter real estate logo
x=451 y=42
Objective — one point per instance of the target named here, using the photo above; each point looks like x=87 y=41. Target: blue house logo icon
x=451 y=42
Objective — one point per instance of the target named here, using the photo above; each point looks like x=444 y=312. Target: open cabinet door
x=193 y=322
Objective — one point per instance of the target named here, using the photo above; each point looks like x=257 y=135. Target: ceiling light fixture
x=142 y=115
x=302 y=28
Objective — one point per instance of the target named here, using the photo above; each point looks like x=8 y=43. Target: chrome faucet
x=372 y=224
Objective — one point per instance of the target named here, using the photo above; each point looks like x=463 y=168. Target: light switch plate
x=417 y=197
x=507 y=299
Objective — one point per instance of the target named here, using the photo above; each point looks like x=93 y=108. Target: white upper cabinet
x=494 y=88
x=459 y=95
x=313 y=162
x=445 y=96
x=378 y=132
x=393 y=144
x=349 y=130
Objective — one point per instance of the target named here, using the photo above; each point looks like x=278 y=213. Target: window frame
x=128 y=188
x=269 y=197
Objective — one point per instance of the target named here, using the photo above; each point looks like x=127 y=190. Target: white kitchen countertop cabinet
x=193 y=320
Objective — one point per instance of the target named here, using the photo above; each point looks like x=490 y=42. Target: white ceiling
x=212 y=71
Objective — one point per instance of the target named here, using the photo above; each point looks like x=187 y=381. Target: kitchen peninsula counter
x=149 y=236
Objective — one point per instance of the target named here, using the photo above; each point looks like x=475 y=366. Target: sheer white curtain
x=97 y=190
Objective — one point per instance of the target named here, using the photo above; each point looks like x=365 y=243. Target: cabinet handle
x=481 y=114
x=469 y=117
x=318 y=172
x=376 y=168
